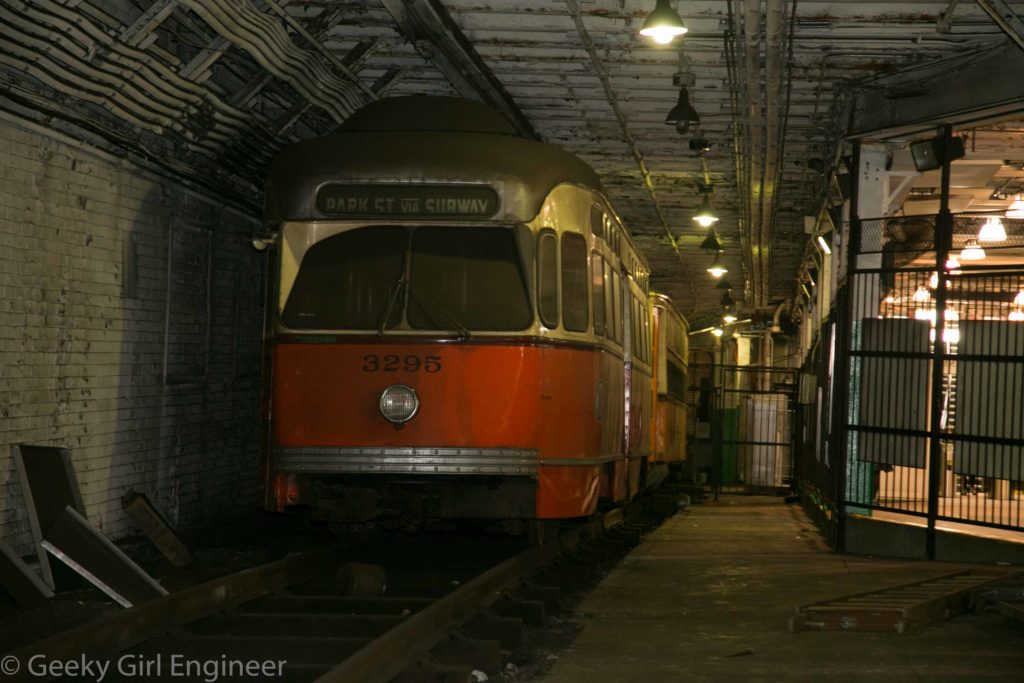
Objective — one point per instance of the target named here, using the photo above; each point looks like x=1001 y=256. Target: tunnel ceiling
x=211 y=89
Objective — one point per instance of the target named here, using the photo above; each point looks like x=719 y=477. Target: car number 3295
x=395 y=363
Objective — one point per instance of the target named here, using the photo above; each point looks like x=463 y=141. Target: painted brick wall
x=85 y=243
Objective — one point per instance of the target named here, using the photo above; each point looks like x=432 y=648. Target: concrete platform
x=707 y=597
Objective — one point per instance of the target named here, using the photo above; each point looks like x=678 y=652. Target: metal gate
x=753 y=429
x=936 y=376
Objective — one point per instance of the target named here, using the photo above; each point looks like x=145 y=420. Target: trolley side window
x=617 y=303
x=574 y=282
x=597 y=285
x=609 y=301
x=547 y=278
x=347 y=281
x=467 y=278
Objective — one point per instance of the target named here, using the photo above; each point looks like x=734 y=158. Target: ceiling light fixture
x=683 y=115
x=992 y=231
x=1016 y=209
x=711 y=242
x=922 y=295
x=952 y=263
x=716 y=268
x=971 y=252
x=1019 y=299
x=1016 y=316
x=706 y=216
x=728 y=318
x=824 y=245
x=663 y=24
x=718 y=331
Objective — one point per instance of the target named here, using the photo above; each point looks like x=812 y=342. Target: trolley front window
x=429 y=278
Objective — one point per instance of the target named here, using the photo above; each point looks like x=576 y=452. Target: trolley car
x=458 y=325
x=671 y=364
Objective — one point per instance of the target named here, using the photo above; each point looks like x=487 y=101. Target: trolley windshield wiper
x=396 y=291
x=419 y=300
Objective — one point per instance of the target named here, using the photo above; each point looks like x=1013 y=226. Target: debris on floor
x=18 y=579
x=156 y=528
x=87 y=551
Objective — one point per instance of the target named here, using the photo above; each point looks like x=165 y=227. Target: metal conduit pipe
x=130 y=63
x=741 y=139
x=84 y=61
x=17 y=51
x=739 y=168
x=773 y=124
x=266 y=41
x=755 y=130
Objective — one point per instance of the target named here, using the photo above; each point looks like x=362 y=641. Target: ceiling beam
x=963 y=90
x=147 y=22
x=1005 y=18
x=435 y=35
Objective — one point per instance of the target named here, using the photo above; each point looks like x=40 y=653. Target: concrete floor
x=707 y=597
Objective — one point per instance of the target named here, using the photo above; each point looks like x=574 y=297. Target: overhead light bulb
x=922 y=295
x=952 y=263
x=992 y=231
x=1016 y=315
x=1016 y=209
x=718 y=331
x=706 y=216
x=728 y=318
x=716 y=268
x=824 y=245
x=663 y=24
x=971 y=252
x=933 y=281
x=1019 y=299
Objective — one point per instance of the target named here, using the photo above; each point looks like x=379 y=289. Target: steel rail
x=149 y=619
x=396 y=650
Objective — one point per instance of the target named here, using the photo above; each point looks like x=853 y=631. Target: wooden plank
x=152 y=523
x=900 y=608
x=48 y=486
x=19 y=580
x=879 y=590
x=76 y=543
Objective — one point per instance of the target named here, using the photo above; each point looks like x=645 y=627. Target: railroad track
x=283 y=622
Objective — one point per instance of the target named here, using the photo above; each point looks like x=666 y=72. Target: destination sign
x=407 y=201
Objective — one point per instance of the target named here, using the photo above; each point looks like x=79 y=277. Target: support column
x=943 y=244
x=864 y=291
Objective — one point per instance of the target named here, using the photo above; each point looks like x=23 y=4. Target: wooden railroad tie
x=899 y=608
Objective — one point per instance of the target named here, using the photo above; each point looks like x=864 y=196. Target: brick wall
x=149 y=377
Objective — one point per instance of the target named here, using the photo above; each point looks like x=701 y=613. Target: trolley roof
x=412 y=140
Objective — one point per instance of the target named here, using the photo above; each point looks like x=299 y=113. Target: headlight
x=399 y=403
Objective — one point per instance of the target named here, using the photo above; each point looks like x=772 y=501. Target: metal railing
x=919 y=379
